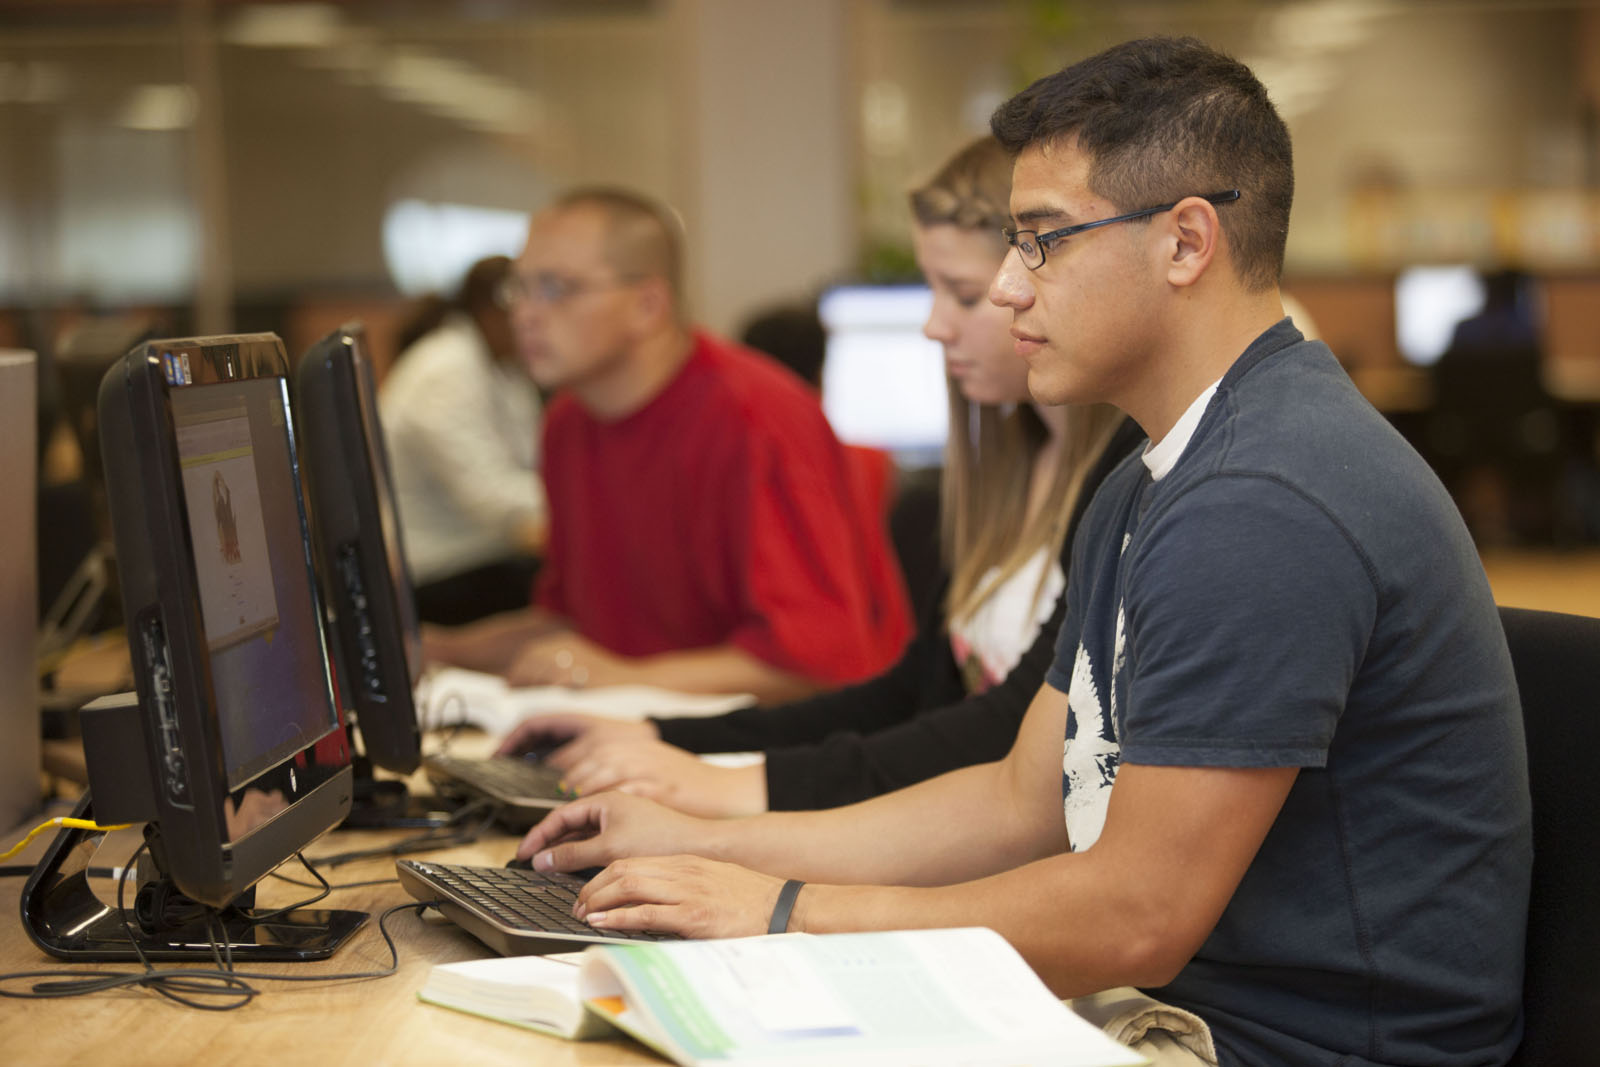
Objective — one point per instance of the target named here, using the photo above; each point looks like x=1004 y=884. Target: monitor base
x=64 y=918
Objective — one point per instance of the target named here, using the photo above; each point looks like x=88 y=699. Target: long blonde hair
x=991 y=450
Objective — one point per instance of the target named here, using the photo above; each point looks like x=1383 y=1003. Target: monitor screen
x=883 y=382
x=243 y=515
x=1429 y=302
x=244 y=761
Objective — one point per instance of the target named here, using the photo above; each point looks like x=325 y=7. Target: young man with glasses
x=1275 y=779
x=705 y=531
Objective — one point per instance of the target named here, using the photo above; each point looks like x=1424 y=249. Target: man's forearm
x=489 y=644
x=724 y=669
x=1055 y=912
x=948 y=829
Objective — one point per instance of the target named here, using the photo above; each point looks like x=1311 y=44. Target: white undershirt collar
x=1163 y=455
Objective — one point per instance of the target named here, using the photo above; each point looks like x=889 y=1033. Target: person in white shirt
x=461 y=420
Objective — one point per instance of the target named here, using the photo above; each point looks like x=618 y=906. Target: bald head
x=641 y=238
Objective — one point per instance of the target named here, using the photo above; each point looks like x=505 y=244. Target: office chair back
x=1557 y=663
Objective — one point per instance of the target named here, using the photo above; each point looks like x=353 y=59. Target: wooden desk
x=376 y=1021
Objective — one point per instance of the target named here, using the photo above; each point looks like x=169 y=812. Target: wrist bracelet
x=781 y=910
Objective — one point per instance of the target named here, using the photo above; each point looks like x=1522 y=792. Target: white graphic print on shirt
x=1092 y=751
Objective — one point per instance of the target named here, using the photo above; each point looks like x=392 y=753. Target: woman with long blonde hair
x=1016 y=477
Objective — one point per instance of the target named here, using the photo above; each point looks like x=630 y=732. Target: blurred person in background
x=793 y=335
x=461 y=420
x=706 y=534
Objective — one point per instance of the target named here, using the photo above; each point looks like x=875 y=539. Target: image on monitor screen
x=231 y=750
x=875 y=351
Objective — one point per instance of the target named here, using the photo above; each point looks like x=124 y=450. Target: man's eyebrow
x=1035 y=216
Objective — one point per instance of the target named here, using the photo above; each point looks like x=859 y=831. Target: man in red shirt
x=706 y=533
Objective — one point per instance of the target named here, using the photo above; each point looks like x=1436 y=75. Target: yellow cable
x=75 y=824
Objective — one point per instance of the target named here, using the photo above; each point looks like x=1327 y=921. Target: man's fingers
x=638 y=917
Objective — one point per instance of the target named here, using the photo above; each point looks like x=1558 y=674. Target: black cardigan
x=910 y=723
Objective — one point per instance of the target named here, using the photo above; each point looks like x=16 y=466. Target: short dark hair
x=1163 y=118
x=482 y=282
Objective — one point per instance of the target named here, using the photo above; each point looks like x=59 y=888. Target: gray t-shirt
x=1300 y=591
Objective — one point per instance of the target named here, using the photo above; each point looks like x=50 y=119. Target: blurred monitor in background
x=793 y=335
x=883 y=382
x=1429 y=303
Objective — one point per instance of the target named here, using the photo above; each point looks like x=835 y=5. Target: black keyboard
x=513 y=910
x=502 y=776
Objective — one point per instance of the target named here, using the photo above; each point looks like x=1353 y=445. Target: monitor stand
x=65 y=919
x=387 y=803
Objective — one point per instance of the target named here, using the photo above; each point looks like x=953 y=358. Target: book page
x=924 y=997
x=538 y=992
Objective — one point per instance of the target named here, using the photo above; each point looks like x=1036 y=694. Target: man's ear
x=1194 y=236
x=652 y=303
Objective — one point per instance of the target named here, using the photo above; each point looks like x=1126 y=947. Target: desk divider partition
x=19 y=596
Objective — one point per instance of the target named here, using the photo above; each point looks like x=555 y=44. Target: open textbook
x=451 y=695
x=925 y=997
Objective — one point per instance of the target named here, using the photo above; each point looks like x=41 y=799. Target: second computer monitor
x=376 y=635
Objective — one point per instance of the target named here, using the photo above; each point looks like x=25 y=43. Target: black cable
x=335 y=886
x=182 y=984
x=254 y=917
x=179 y=983
x=452 y=833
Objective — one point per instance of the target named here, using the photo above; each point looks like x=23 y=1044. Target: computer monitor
x=371 y=610
x=883 y=382
x=231 y=751
x=1429 y=303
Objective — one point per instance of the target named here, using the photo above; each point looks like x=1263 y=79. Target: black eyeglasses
x=1032 y=245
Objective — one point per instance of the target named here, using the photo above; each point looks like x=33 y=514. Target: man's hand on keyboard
x=593 y=831
x=569 y=730
x=684 y=895
x=570 y=660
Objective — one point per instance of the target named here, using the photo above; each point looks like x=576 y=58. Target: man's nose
x=1012 y=286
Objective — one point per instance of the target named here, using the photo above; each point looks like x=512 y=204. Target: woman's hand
x=594 y=831
x=663 y=773
x=565 y=730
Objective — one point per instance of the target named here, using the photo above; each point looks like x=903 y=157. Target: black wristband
x=785 y=904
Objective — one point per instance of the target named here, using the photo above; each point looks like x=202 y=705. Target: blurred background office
x=214 y=165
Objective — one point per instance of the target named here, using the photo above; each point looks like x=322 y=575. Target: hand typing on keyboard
x=680 y=894
x=567 y=732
